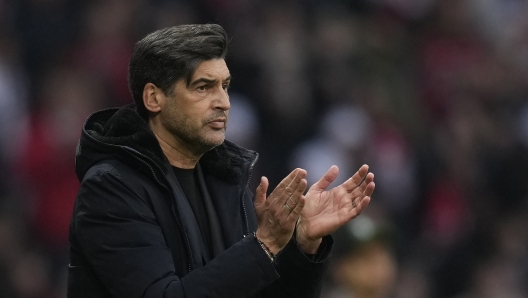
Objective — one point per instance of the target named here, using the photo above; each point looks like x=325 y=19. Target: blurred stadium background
x=431 y=94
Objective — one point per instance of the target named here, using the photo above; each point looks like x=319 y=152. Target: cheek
x=197 y=108
x=189 y=110
x=188 y=113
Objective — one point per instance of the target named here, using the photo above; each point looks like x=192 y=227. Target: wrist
x=272 y=256
x=309 y=247
x=267 y=243
x=306 y=244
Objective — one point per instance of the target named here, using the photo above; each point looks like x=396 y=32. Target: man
x=164 y=208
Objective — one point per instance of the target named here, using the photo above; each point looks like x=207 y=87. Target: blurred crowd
x=431 y=94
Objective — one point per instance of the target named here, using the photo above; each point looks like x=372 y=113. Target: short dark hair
x=167 y=55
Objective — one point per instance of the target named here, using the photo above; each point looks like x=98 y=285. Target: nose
x=222 y=99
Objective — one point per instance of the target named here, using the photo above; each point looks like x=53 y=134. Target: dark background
x=431 y=94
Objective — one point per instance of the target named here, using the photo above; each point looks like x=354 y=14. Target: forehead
x=214 y=68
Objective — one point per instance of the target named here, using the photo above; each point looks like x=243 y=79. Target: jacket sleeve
x=117 y=233
x=301 y=276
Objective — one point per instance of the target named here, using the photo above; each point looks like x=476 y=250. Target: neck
x=177 y=154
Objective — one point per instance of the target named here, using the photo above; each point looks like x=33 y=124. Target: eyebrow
x=207 y=81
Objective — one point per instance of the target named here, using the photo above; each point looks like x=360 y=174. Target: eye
x=202 y=88
x=225 y=87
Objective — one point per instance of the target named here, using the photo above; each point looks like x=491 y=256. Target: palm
x=327 y=210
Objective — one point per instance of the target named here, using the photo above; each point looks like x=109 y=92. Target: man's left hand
x=327 y=210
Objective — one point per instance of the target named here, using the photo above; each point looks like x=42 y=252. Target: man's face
x=196 y=115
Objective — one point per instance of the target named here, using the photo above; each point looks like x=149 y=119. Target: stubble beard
x=194 y=136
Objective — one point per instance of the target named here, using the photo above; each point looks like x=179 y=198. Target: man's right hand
x=278 y=213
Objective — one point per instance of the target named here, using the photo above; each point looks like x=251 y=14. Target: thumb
x=326 y=180
x=260 y=194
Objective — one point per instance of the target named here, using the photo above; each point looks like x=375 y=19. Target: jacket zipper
x=173 y=207
x=250 y=173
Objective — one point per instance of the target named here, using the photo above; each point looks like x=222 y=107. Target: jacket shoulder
x=114 y=168
x=111 y=181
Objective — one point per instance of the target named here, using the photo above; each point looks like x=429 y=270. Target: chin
x=210 y=143
x=218 y=142
x=216 y=139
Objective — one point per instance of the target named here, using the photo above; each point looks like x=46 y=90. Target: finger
x=284 y=185
x=292 y=186
x=296 y=212
x=370 y=188
x=260 y=193
x=365 y=200
x=369 y=178
x=292 y=201
x=367 y=188
x=361 y=206
x=354 y=212
x=362 y=187
x=283 y=192
x=327 y=179
x=353 y=182
x=296 y=187
x=358 y=201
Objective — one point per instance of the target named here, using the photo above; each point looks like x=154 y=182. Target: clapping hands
x=327 y=210
x=278 y=213
x=317 y=214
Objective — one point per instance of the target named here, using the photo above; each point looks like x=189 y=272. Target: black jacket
x=133 y=233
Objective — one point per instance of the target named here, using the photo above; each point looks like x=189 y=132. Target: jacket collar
x=122 y=132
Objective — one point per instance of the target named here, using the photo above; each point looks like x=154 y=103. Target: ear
x=153 y=98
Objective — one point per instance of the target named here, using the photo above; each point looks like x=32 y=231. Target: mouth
x=218 y=123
